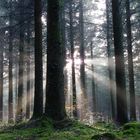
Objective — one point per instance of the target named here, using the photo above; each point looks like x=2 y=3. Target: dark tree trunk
x=21 y=60
x=110 y=59
x=82 y=58
x=63 y=28
x=82 y=55
x=1 y=79
x=73 y=62
x=93 y=80
x=28 y=97
x=130 y=64
x=38 y=95
x=55 y=100
x=63 y=32
x=10 y=102
x=122 y=116
x=16 y=84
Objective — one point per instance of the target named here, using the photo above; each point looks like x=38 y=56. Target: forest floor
x=44 y=129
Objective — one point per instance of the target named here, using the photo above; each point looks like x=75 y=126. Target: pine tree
x=28 y=97
x=1 y=76
x=73 y=62
x=10 y=65
x=130 y=64
x=55 y=100
x=109 y=53
x=122 y=116
x=38 y=95
x=19 y=114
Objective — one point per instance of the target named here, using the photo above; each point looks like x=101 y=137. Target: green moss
x=134 y=125
x=130 y=131
x=45 y=129
x=106 y=136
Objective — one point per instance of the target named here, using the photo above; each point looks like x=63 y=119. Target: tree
x=122 y=116
x=73 y=62
x=10 y=64
x=130 y=64
x=93 y=80
x=82 y=55
x=82 y=58
x=1 y=77
x=55 y=100
x=28 y=100
x=21 y=60
x=109 y=53
x=38 y=95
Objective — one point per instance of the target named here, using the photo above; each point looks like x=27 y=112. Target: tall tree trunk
x=63 y=32
x=63 y=28
x=55 y=100
x=16 y=84
x=73 y=62
x=1 y=79
x=10 y=102
x=28 y=97
x=82 y=58
x=122 y=116
x=21 y=60
x=82 y=55
x=110 y=59
x=38 y=95
x=93 y=80
x=130 y=64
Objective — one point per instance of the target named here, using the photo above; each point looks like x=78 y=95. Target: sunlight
x=43 y=18
x=69 y=55
x=100 y=76
x=98 y=15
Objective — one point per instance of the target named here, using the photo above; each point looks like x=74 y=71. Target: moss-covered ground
x=44 y=129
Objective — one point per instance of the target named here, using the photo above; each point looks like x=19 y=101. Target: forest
x=69 y=69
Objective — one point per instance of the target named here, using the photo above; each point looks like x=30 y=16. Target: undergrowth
x=45 y=129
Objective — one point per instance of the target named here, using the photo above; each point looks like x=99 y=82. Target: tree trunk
x=21 y=59
x=122 y=116
x=110 y=59
x=55 y=100
x=28 y=97
x=10 y=102
x=63 y=28
x=73 y=62
x=93 y=80
x=82 y=58
x=130 y=64
x=82 y=55
x=38 y=95
x=1 y=80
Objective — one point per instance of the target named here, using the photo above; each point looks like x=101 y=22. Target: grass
x=45 y=129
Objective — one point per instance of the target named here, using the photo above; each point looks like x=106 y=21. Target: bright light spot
x=98 y=15
x=44 y=20
x=77 y=61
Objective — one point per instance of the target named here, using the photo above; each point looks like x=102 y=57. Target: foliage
x=45 y=129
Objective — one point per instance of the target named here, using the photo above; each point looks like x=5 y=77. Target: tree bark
x=82 y=58
x=38 y=94
x=73 y=61
x=28 y=97
x=21 y=62
x=82 y=55
x=10 y=102
x=55 y=100
x=110 y=59
x=93 y=81
x=122 y=116
x=130 y=64
x=1 y=79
